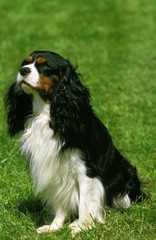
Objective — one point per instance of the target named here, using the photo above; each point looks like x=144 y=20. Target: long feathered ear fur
x=70 y=107
x=18 y=107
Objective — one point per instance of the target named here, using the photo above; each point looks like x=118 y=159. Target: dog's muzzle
x=25 y=71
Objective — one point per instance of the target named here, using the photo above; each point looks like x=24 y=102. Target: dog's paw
x=77 y=226
x=48 y=228
x=43 y=229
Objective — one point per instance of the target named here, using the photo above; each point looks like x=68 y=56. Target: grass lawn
x=114 y=44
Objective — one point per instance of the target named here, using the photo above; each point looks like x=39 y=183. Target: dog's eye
x=46 y=70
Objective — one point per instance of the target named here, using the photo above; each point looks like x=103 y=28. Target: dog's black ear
x=18 y=106
x=70 y=107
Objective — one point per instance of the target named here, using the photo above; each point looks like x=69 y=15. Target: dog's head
x=42 y=72
x=49 y=76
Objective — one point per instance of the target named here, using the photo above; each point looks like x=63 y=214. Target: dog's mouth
x=31 y=90
x=23 y=82
x=27 y=87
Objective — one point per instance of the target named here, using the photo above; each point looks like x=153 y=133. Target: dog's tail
x=134 y=189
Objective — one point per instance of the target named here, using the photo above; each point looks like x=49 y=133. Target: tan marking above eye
x=41 y=60
x=29 y=59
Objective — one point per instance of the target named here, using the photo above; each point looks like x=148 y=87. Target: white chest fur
x=54 y=173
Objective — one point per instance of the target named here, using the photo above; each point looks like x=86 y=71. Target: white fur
x=32 y=78
x=60 y=176
x=122 y=202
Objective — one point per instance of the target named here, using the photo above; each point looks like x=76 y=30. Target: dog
x=72 y=159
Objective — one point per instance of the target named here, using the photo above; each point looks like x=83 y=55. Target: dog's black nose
x=24 y=71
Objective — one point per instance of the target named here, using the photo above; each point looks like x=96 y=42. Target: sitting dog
x=72 y=158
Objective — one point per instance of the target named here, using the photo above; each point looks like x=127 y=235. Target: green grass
x=114 y=44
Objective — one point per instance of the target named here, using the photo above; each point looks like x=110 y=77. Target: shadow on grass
x=33 y=207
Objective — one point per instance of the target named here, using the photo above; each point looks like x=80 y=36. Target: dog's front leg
x=90 y=204
x=56 y=224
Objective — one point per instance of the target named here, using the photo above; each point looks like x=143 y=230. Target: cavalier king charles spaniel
x=72 y=158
